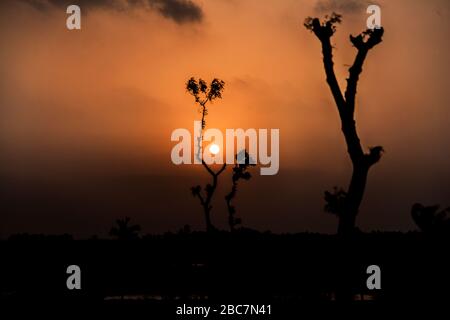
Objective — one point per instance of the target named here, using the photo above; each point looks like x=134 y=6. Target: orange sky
x=80 y=109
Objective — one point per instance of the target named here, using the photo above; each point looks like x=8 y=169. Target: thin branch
x=211 y=172
x=202 y=202
x=221 y=169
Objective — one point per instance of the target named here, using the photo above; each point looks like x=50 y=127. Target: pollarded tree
x=204 y=95
x=345 y=103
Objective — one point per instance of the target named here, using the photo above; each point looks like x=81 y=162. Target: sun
x=214 y=148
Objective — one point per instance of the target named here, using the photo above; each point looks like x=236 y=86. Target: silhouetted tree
x=125 y=231
x=429 y=220
x=203 y=95
x=239 y=172
x=361 y=161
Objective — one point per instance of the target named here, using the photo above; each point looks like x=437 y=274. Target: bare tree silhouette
x=239 y=172
x=361 y=161
x=203 y=95
x=125 y=231
x=429 y=220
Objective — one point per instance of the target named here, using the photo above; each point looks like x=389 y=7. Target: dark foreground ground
x=289 y=272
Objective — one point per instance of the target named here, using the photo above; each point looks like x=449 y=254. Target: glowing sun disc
x=214 y=149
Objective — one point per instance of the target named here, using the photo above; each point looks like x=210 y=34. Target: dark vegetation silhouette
x=429 y=219
x=125 y=231
x=346 y=204
x=160 y=272
x=204 y=95
x=240 y=172
x=335 y=201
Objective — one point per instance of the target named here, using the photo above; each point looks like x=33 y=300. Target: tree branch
x=354 y=71
x=331 y=76
x=208 y=168
x=202 y=202
x=363 y=47
x=221 y=169
x=211 y=172
x=324 y=32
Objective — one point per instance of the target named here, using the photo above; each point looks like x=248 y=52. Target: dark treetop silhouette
x=239 y=172
x=125 y=231
x=203 y=95
x=361 y=161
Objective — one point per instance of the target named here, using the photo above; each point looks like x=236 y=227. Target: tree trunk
x=355 y=193
x=209 y=226
x=210 y=189
x=346 y=106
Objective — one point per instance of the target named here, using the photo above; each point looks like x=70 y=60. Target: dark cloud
x=341 y=6
x=180 y=11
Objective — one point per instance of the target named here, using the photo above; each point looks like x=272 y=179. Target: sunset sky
x=86 y=115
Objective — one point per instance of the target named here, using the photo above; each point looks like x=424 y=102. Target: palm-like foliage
x=125 y=231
